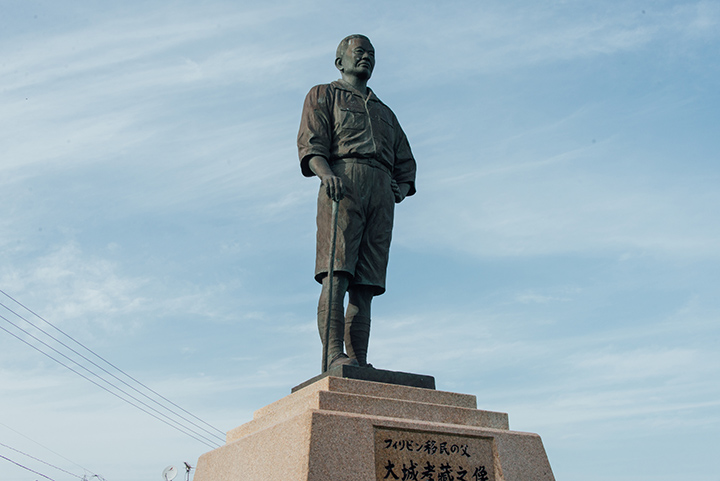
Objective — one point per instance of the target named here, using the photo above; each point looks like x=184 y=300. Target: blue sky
x=560 y=259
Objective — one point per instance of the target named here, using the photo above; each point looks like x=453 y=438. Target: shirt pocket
x=385 y=130
x=351 y=119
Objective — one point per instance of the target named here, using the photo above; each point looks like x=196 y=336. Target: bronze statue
x=354 y=144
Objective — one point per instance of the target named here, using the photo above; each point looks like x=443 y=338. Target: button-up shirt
x=338 y=122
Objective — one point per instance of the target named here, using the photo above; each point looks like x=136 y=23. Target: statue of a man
x=354 y=144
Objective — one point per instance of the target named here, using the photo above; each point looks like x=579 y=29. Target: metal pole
x=331 y=275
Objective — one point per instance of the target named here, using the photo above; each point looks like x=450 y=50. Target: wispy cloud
x=76 y=288
x=492 y=39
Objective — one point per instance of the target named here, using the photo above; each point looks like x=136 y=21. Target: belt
x=364 y=161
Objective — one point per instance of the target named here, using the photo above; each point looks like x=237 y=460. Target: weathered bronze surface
x=354 y=143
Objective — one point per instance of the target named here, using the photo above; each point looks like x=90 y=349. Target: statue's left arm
x=400 y=190
x=404 y=166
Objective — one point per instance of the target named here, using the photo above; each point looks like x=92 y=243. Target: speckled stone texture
x=326 y=432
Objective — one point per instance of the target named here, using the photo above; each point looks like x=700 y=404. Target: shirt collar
x=343 y=85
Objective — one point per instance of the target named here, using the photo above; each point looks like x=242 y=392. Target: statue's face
x=358 y=60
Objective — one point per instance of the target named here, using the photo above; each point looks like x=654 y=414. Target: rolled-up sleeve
x=315 y=132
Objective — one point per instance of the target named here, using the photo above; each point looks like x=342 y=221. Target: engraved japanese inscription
x=427 y=456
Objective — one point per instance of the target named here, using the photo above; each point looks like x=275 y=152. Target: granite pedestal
x=341 y=429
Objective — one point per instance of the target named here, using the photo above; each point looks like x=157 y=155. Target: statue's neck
x=358 y=84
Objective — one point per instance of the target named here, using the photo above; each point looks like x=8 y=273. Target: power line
x=48 y=449
x=194 y=435
x=40 y=460
x=109 y=373
x=104 y=360
x=25 y=467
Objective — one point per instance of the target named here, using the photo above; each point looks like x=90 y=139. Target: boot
x=335 y=354
x=357 y=336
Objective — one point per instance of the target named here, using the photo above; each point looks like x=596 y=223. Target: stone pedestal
x=339 y=429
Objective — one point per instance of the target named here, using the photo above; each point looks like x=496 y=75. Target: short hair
x=345 y=42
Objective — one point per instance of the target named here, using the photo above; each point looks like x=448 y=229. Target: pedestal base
x=350 y=430
x=374 y=375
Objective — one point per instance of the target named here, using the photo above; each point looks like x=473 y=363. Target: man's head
x=355 y=56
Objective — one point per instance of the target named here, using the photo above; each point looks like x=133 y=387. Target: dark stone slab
x=374 y=375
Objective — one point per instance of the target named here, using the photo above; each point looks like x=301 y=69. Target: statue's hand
x=333 y=186
x=332 y=183
x=399 y=190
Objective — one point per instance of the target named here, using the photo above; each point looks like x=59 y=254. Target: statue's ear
x=338 y=64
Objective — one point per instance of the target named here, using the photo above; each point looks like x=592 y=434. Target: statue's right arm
x=314 y=140
x=333 y=184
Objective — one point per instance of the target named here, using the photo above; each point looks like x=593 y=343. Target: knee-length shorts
x=365 y=222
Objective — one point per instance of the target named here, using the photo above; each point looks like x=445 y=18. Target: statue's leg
x=357 y=323
x=335 y=355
